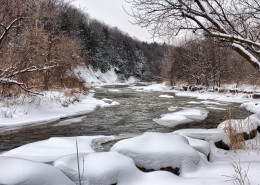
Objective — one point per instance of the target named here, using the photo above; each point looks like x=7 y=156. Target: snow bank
x=17 y=171
x=51 y=149
x=49 y=108
x=182 y=117
x=158 y=150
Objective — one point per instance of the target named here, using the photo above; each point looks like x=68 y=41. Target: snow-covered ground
x=52 y=106
x=152 y=151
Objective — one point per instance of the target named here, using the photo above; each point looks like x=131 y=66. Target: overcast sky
x=112 y=13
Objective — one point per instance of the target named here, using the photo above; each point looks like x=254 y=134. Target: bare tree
x=234 y=21
x=34 y=53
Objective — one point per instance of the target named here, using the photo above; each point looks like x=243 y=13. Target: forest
x=42 y=42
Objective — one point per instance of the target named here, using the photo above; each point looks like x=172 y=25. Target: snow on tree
x=234 y=21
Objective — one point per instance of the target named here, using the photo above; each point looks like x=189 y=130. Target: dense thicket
x=207 y=62
x=34 y=52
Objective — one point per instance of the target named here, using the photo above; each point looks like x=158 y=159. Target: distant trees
x=236 y=22
x=206 y=62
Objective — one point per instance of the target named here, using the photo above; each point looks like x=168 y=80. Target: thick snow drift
x=51 y=149
x=182 y=117
x=98 y=168
x=22 y=172
x=158 y=150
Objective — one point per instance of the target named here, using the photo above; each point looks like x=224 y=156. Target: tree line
x=42 y=41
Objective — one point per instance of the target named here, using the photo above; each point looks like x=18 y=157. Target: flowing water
x=133 y=116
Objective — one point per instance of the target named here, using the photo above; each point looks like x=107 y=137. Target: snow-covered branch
x=8 y=76
x=233 y=21
x=8 y=27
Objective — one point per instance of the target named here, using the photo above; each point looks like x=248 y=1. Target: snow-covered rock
x=51 y=149
x=248 y=127
x=103 y=168
x=158 y=150
x=199 y=145
x=114 y=90
x=115 y=103
x=172 y=108
x=182 y=117
x=239 y=125
x=15 y=171
x=166 y=96
x=252 y=106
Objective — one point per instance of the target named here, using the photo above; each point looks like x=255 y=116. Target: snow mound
x=51 y=149
x=98 y=168
x=166 y=96
x=199 y=145
x=182 y=117
x=252 y=106
x=18 y=171
x=114 y=90
x=115 y=103
x=240 y=125
x=172 y=108
x=158 y=150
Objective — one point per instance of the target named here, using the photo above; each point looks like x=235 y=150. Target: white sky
x=112 y=13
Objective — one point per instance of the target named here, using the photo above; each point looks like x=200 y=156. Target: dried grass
x=234 y=131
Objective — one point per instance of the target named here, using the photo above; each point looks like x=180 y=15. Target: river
x=132 y=117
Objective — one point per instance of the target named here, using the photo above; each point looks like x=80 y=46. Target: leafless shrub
x=241 y=175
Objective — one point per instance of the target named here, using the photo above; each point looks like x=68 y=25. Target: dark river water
x=132 y=117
